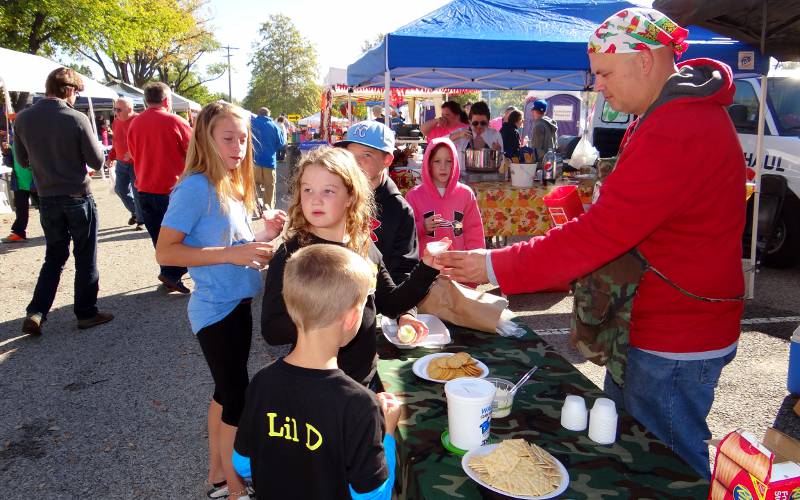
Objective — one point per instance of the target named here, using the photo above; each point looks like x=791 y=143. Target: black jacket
x=397 y=232
x=510 y=137
x=357 y=359
x=57 y=142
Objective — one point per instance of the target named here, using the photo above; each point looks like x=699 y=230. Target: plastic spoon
x=523 y=380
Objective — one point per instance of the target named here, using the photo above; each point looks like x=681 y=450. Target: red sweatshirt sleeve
x=647 y=187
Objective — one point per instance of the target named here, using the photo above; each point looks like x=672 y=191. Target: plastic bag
x=507 y=328
x=584 y=154
x=112 y=177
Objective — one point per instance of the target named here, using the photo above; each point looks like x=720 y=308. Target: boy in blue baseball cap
x=544 y=134
x=372 y=143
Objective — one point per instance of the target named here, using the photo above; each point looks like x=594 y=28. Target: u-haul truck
x=781 y=147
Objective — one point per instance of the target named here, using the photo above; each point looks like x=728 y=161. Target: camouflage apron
x=601 y=313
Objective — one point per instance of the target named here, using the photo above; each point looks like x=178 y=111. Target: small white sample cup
x=603 y=422
x=574 y=415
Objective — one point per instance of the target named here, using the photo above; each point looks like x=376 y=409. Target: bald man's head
x=631 y=82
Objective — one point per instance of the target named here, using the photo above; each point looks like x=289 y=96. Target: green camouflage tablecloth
x=638 y=465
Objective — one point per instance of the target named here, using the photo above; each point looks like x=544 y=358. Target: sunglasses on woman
x=481 y=123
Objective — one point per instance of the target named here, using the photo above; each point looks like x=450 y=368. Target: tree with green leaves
x=284 y=70
x=466 y=97
x=42 y=26
x=154 y=39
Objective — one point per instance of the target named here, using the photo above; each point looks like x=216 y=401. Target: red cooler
x=564 y=204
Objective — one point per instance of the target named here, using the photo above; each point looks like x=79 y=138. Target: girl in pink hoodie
x=442 y=205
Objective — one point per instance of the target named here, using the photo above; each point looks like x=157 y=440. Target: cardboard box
x=746 y=469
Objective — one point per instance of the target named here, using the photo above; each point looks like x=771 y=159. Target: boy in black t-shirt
x=308 y=431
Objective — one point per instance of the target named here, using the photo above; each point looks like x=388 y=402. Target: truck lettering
x=771 y=162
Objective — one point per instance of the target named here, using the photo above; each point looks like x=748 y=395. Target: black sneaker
x=32 y=324
x=132 y=220
x=173 y=286
x=138 y=227
x=97 y=319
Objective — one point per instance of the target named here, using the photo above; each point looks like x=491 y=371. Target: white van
x=781 y=146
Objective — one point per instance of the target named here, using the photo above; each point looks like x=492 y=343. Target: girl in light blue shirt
x=206 y=228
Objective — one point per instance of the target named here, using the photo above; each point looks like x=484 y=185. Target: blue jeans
x=126 y=190
x=671 y=399
x=154 y=206
x=66 y=218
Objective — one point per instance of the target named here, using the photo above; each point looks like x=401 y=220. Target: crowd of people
x=348 y=233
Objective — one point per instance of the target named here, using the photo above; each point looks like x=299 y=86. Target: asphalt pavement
x=118 y=411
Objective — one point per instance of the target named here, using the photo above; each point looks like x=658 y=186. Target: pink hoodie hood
x=455 y=173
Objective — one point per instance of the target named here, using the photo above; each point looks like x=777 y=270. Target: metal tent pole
x=387 y=84
x=93 y=122
x=762 y=99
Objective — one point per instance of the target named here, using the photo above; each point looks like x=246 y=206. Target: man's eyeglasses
x=481 y=123
x=117 y=110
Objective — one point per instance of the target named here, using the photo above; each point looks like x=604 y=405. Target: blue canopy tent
x=512 y=45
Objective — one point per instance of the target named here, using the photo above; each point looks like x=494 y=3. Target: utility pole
x=229 y=49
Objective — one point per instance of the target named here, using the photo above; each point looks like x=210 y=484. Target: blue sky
x=336 y=29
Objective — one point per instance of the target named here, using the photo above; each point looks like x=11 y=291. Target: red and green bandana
x=632 y=30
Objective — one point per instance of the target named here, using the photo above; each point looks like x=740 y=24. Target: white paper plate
x=420 y=366
x=487 y=448
x=438 y=334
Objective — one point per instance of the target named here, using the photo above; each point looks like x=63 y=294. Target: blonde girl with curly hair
x=207 y=229
x=332 y=204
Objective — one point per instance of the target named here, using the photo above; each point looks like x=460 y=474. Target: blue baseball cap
x=540 y=105
x=372 y=134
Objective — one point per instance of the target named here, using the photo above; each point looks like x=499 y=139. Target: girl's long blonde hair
x=360 y=213
x=204 y=158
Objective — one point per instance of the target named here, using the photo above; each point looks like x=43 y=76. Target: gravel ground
x=118 y=411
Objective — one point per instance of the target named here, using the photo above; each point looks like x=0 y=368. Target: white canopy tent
x=179 y=103
x=21 y=72
x=314 y=120
x=27 y=73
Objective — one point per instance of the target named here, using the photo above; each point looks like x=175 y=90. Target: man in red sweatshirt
x=120 y=159
x=677 y=195
x=157 y=143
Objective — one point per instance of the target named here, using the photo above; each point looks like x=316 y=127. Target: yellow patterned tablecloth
x=511 y=211
x=505 y=210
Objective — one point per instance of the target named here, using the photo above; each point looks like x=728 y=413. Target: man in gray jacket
x=544 y=135
x=57 y=142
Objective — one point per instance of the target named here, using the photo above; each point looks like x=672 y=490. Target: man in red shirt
x=120 y=159
x=677 y=195
x=157 y=143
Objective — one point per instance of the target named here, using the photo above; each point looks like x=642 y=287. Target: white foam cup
x=436 y=247
x=469 y=411
x=603 y=421
x=574 y=415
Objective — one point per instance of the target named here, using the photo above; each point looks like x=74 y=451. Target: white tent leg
x=387 y=84
x=751 y=281
x=762 y=99
x=387 y=115
x=93 y=122
x=349 y=108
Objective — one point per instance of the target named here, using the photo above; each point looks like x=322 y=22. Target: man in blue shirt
x=268 y=138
